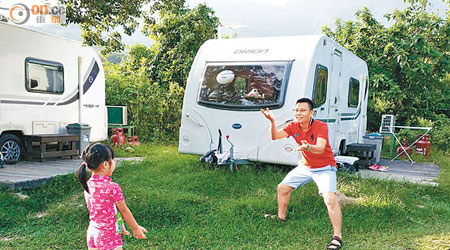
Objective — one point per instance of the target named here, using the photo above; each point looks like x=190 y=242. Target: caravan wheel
x=11 y=148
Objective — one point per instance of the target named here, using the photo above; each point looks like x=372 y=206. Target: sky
x=297 y=17
x=260 y=18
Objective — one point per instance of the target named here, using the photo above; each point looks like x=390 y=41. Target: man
x=317 y=164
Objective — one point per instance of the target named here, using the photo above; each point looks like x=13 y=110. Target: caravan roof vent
x=387 y=123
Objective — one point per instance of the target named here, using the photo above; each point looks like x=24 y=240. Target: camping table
x=410 y=145
x=365 y=153
x=65 y=145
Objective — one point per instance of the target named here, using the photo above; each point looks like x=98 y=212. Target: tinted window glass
x=353 y=93
x=320 y=86
x=44 y=76
x=248 y=86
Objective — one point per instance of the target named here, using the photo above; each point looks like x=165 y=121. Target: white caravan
x=47 y=82
x=231 y=79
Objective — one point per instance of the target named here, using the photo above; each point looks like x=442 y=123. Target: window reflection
x=353 y=93
x=243 y=86
x=320 y=86
x=44 y=76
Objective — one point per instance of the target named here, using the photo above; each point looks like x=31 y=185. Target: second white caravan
x=231 y=79
x=47 y=83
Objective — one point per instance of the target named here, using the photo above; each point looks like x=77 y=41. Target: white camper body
x=48 y=82
x=231 y=79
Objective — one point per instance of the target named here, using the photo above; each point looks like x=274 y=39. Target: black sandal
x=334 y=246
x=274 y=216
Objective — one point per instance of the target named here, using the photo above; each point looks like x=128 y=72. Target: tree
x=409 y=62
x=100 y=19
x=150 y=81
x=137 y=56
x=178 y=33
x=114 y=58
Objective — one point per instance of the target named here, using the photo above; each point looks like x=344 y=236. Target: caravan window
x=353 y=93
x=320 y=86
x=244 y=86
x=44 y=76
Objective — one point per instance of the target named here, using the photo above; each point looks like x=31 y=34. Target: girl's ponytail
x=92 y=156
x=83 y=176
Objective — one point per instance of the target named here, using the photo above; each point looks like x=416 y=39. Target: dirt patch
x=344 y=200
x=6 y=238
x=434 y=242
x=21 y=196
x=41 y=214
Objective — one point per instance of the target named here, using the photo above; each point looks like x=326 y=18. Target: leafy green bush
x=413 y=134
x=154 y=110
x=150 y=81
x=441 y=133
x=409 y=135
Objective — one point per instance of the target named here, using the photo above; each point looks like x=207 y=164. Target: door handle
x=322 y=108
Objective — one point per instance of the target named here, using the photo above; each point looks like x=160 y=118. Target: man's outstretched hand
x=304 y=146
x=268 y=114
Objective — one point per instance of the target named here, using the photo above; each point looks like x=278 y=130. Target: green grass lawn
x=188 y=205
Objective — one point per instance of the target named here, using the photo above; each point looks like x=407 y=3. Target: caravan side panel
x=45 y=109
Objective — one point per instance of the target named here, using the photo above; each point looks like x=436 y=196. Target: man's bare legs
x=334 y=211
x=330 y=199
x=283 y=196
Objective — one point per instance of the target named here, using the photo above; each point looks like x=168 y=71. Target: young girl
x=105 y=200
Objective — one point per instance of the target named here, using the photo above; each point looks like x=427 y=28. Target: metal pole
x=80 y=88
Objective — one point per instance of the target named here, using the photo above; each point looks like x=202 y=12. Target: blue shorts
x=324 y=177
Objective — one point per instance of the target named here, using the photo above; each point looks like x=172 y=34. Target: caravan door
x=326 y=96
x=334 y=119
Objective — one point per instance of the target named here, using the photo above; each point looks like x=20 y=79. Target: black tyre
x=11 y=148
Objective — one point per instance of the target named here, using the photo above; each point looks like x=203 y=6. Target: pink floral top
x=100 y=201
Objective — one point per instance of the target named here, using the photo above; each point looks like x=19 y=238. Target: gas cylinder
x=134 y=140
x=428 y=145
x=405 y=145
x=118 y=138
x=423 y=145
